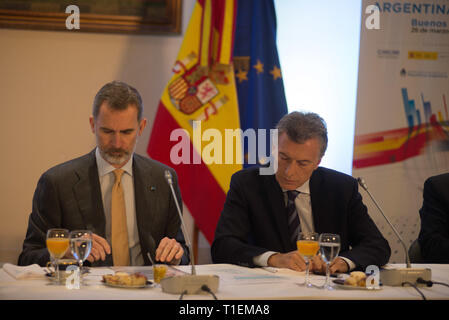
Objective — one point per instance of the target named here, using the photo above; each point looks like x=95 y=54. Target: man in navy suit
x=254 y=229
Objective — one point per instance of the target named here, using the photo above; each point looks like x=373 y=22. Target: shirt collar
x=105 y=167
x=303 y=189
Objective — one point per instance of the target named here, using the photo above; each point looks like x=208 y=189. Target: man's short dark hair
x=302 y=126
x=118 y=95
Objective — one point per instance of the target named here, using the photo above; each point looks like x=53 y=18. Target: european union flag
x=260 y=88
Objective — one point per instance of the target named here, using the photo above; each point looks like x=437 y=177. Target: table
x=236 y=283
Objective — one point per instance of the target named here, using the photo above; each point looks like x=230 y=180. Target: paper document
x=241 y=275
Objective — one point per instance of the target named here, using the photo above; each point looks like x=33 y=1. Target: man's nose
x=117 y=140
x=290 y=169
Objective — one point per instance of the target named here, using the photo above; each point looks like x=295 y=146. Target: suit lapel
x=146 y=204
x=88 y=195
x=276 y=200
x=318 y=206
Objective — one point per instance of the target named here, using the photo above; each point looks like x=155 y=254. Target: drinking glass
x=80 y=244
x=307 y=247
x=329 y=249
x=57 y=245
x=159 y=271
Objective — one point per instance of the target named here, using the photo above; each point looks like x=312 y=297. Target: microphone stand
x=398 y=277
x=183 y=226
x=187 y=284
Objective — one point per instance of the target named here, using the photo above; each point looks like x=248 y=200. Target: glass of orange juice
x=307 y=247
x=57 y=245
x=159 y=271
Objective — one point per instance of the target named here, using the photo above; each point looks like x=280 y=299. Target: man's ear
x=318 y=163
x=92 y=123
x=142 y=125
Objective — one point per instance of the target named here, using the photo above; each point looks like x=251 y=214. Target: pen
x=149 y=257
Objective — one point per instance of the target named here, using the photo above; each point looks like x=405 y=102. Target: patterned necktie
x=119 y=229
x=292 y=215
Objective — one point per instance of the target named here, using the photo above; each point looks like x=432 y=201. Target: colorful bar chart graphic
x=401 y=144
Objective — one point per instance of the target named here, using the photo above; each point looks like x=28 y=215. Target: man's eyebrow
x=301 y=160
x=109 y=129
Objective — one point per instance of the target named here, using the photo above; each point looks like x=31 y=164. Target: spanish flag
x=194 y=128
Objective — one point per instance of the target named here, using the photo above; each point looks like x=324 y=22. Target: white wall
x=318 y=45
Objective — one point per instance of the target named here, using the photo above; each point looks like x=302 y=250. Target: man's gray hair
x=118 y=95
x=302 y=126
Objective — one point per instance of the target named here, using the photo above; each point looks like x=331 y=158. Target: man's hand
x=169 y=251
x=100 y=248
x=291 y=260
x=337 y=266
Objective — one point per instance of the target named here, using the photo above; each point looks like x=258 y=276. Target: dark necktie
x=292 y=215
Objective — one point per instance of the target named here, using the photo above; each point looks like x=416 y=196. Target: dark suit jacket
x=434 y=234
x=69 y=196
x=254 y=219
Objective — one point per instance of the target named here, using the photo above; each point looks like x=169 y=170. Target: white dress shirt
x=304 y=209
x=107 y=180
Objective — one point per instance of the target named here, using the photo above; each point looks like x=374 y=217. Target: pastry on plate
x=356 y=279
x=125 y=279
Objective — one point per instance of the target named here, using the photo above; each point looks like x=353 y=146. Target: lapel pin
x=152 y=188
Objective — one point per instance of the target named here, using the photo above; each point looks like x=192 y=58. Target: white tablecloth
x=236 y=283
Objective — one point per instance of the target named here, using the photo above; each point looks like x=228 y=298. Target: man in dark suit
x=434 y=234
x=254 y=228
x=79 y=194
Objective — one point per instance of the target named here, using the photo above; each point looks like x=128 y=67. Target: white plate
x=339 y=283
x=149 y=284
x=62 y=277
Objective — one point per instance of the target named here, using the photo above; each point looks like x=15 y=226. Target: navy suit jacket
x=434 y=234
x=254 y=219
x=69 y=196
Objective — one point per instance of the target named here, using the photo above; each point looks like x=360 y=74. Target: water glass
x=80 y=244
x=329 y=248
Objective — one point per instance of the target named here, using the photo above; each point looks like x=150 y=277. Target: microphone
x=169 y=179
x=398 y=277
x=187 y=284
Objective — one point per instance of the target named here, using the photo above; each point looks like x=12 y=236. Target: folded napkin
x=33 y=271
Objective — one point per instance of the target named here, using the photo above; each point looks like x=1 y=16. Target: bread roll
x=126 y=279
x=356 y=279
x=350 y=281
